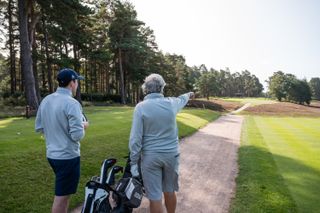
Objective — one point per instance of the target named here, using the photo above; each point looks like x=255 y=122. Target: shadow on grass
x=261 y=187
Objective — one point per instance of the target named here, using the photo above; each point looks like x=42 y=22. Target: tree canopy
x=106 y=43
x=287 y=87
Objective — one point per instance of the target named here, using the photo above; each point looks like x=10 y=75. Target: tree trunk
x=13 y=80
x=48 y=59
x=35 y=69
x=128 y=92
x=32 y=35
x=101 y=79
x=107 y=80
x=77 y=68
x=43 y=67
x=66 y=48
x=91 y=76
x=21 y=81
x=86 y=75
x=123 y=97
x=95 y=82
x=26 y=59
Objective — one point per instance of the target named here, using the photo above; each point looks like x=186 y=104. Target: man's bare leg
x=170 y=200
x=60 y=204
x=156 y=206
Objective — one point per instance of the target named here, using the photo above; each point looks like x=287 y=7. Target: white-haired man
x=154 y=140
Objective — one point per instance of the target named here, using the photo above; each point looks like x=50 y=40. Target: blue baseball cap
x=66 y=75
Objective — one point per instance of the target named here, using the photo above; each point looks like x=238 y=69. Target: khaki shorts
x=160 y=173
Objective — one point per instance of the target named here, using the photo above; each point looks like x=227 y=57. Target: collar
x=153 y=96
x=63 y=90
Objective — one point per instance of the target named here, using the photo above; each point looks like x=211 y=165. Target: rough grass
x=26 y=180
x=285 y=109
x=279 y=165
x=252 y=101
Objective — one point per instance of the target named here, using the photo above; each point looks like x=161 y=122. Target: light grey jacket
x=59 y=118
x=154 y=128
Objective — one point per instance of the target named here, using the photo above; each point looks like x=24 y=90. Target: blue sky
x=262 y=36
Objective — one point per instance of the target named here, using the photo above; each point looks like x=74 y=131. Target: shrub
x=15 y=100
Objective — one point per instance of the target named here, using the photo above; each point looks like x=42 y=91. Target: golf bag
x=97 y=191
x=130 y=191
x=102 y=197
x=97 y=198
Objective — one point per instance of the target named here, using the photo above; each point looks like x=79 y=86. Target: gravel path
x=208 y=168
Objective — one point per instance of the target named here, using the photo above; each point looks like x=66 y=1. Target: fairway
x=279 y=165
x=26 y=180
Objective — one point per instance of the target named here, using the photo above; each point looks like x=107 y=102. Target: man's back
x=60 y=119
x=158 y=117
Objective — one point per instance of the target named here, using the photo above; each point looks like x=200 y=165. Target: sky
x=262 y=36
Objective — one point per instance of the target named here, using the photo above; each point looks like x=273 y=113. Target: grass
x=279 y=165
x=26 y=180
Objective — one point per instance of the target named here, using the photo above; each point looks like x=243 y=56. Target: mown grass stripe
x=260 y=186
x=291 y=141
x=305 y=130
x=297 y=158
x=279 y=135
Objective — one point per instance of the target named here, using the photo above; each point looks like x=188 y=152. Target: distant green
x=26 y=180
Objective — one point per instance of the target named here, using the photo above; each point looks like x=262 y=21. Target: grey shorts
x=160 y=173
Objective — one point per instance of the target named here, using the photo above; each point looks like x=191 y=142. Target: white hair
x=153 y=83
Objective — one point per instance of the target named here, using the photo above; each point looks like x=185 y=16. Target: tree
x=190 y=77
x=287 y=86
x=299 y=91
x=131 y=44
x=278 y=85
x=207 y=85
x=315 y=87
x=4 y=77
x=11 y=16
x=67 y=32
x=257 y=86
x=25 y=55
x=176 y=82
x=105 y=42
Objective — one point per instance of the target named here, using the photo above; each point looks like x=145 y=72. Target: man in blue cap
x=60 y=119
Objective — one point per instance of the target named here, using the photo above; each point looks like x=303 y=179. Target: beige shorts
x=160 y=173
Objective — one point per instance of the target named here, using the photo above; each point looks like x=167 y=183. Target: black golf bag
x=102 y=195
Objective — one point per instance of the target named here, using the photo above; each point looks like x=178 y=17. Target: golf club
x=113 y=171
x=104 y=169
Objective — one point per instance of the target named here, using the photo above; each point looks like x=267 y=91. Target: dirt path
x=247 y=105
x=208 y=167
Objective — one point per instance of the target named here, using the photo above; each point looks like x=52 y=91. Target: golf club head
x=111 y=175
x=107 y=163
